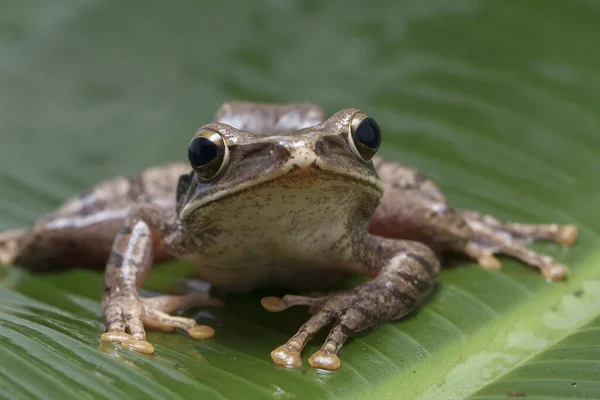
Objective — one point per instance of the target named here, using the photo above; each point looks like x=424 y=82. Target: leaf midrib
x=485 y=336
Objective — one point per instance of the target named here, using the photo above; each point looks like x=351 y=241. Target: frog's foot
x=405 y=274
x=10 y=244
x=492 y=236
x=124 y=318
x=127 y=319
x=350 y=311
x=157 y=311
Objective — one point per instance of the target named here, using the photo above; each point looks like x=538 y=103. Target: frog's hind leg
x=413 y=207
x=490 y=235
x=46 y=246
x=81 y=231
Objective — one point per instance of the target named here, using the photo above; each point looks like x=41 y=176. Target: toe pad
x=273 y=304
x=323 y=360
x=140 y=346
x=201 y=332
x=285 y=357
x=115 y=337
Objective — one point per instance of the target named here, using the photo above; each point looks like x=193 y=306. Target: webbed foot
x=350 y=312
x=492 y=236
x=406 y=274
x=127 y=318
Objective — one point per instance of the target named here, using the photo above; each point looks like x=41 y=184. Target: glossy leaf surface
x=496 y=101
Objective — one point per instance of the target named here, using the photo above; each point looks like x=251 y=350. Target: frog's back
x=270 y=119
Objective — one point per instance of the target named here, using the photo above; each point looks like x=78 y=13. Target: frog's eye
x=208 y=154
x=364 y=137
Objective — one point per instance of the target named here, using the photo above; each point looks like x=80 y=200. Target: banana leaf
x=498 y=102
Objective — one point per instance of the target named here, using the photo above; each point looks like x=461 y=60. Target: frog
x=275 y=196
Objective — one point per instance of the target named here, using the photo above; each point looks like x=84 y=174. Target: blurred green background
x=496 y=100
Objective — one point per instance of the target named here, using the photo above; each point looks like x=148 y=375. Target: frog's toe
x=127 y=323
x=287 y=356
x=493 y=236
x=135 y=326
x=127 y=341
x=155 y=319
x=556 y=272
x=276 y=304
x=483 y=255
x=6 y=257
x=115 y=337
x=9 y=245
x=157 y=309
x=124 y=319
x=140 y=346
x=201 y=332
x=567 y=235
x=326 y=361
x=170 y=303
x=550 y=268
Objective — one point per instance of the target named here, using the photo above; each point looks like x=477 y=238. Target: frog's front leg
x=405 y=272
x=146 y=228
x=413 y=207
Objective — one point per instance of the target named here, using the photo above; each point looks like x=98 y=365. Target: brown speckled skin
x=294 y=207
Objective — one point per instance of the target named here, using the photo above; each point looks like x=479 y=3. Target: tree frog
x=274 y=196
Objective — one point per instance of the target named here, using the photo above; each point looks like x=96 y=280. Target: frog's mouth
x=290 y=175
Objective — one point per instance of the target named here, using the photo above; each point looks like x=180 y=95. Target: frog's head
x=228 y=162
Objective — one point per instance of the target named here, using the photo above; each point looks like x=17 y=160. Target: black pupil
x=202 y=151
x=368 y=133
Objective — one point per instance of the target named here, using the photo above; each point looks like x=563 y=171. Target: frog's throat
x=368 y=179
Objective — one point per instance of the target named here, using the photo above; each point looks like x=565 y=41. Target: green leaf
x=496 y=101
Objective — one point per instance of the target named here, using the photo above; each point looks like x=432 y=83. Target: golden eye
x=208 y=154
x=364 y=136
